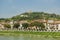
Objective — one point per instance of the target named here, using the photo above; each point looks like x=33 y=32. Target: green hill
x=36 y=15
x=33 y=16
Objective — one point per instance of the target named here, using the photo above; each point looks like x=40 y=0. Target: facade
x=50 y=25
x=1 y=26
x=53 y=25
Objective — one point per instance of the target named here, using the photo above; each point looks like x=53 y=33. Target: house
x=53 y=25
x=50 y=25
x=23 y=15
x=57 y=25
x=1 y=26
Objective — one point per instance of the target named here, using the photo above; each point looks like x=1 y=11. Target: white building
x=1 y=26
x=23 y=15
x=53 y=25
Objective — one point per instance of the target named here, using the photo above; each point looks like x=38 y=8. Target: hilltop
x=36 y=16
x=33 y=16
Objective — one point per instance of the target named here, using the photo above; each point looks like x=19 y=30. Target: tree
x=7 y=19
x=16 y=25
x=7 y=26
x=25 y=25
x=38 y=24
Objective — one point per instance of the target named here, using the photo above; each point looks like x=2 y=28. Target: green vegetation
x=38 y=24
x=25 y=25
x=7 y=26
x=52 y=34
x=16 y=25
x=36 y=15
x=33 y=16
x=5 y=19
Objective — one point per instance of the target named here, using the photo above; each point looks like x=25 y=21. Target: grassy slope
x=53 y=34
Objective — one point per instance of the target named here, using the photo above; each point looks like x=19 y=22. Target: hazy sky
x=9 y=8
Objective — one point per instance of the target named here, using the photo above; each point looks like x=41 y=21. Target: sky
x=10 y=8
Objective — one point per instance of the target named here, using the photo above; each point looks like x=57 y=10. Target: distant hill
x=36 y=15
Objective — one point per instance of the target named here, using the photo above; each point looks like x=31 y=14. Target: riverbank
x=53 y=34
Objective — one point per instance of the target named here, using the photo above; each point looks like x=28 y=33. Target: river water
x=28 y=37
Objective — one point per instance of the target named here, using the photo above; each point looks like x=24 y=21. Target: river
x=27 y=37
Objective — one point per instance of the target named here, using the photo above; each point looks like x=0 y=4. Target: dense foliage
x=16 y=25
x=25 y=25
x=33 y=16
x=37 y=24
x=7 y=26
x=36 y=15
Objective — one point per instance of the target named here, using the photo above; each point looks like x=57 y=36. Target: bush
x=16 y=25
x=7 y=26
x=25 y=25
x=37 y=24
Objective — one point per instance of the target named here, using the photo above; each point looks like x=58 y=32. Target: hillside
x=33 y=16
x=36 y=15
